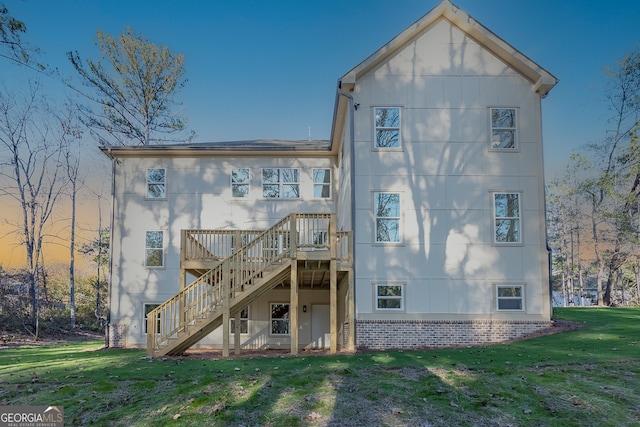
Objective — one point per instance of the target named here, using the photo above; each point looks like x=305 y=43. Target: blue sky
x=268 y=69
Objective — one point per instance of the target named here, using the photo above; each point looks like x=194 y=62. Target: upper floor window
x=389 y=297
x=507 y=218
x=240 y=182
x=156 y=183
x=387 y=217
x=281 y=183
x=510 y=297
x=154 y=249
x=503 y=129
x=387 y=127
x=322 y=183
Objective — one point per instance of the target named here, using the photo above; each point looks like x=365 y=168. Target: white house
x=421 y=222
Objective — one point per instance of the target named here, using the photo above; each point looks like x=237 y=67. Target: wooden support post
x=351 y=310
x=333 y=298
x=293 y=308
x=226 y=278
x=236 y=332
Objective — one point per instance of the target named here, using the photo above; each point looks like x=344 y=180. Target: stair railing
x=238 y=271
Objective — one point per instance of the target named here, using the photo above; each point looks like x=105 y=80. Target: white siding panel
x=439 y=294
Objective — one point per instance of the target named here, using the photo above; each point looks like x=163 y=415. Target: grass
x=587 y=377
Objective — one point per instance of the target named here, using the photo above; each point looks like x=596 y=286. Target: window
x=156 y=183
x=389 y=297
x=510 y=297
x=244 y=321
x=387 y=127
x=506 y=211
x=503 y=128
x=154 y=249
x=279 y=319
x=387 y=217
x=322 y=183
x=240 y=183
x=280 y=183
x=147 y=310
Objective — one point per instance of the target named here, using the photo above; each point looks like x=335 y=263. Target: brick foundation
x=117 y=336
x=387 y=334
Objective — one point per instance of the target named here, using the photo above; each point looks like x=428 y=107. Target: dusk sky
x=268 y=69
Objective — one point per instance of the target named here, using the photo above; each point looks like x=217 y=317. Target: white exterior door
x=320 y=326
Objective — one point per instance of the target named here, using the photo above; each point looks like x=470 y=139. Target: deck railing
x=312 y=231
x=239 y=269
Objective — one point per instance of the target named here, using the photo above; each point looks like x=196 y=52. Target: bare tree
x=31 y=142
x=75 y=183
x=11 y=30
x=133 y=86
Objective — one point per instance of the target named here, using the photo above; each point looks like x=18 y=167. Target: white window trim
x=248 y=183
x=164 y=243
x=375 y=217
x=147 y=182
x=280 y=184
x=271 y=319
x=144 y=315
x=522 y=286
x=323 y=184
x=399 y=128
x=520 y=242
x=402 y=297
x=516 y=139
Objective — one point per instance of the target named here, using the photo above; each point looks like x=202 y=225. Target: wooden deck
x=236 y=267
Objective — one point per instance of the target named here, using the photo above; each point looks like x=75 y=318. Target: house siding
x=198 y=196
x=444 y=83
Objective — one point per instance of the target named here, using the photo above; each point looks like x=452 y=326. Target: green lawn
x=587 y=377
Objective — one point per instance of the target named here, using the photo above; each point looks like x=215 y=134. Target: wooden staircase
x=237 y=280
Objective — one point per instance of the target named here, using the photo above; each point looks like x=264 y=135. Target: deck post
x=351 y=309
x=226 y=279
x=333 y=283
x=293 y=308
x=293 y=300
x=236 y=332
x=333 y=310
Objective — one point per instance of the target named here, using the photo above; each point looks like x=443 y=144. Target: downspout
x=352 y=177
x=111 y=223
x=544 y=207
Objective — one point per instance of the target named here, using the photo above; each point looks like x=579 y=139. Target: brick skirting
x=117 y=336
x=387 y=334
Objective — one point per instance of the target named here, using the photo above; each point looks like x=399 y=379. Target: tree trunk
x=72 y=252
x=599 y=284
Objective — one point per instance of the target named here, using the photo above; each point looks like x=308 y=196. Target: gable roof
x=542 y=80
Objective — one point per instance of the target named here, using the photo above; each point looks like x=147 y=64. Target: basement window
x=389 y=297
x=279 y=319
x=510 y=297
x=244 y=322
x=147 y=310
